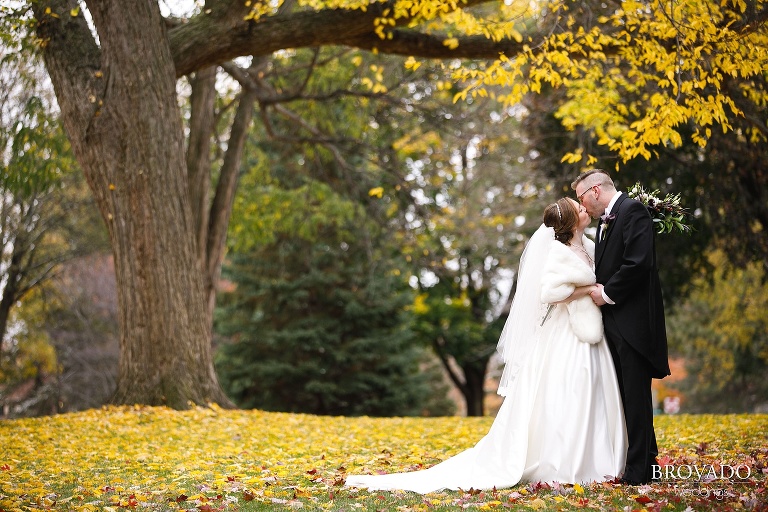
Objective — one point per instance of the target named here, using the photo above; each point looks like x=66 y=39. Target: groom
x=633 y=312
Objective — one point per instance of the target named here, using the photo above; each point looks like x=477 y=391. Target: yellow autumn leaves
x=643 y=72
x=141 y=458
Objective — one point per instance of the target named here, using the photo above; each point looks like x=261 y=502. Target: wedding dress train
x=561 y=419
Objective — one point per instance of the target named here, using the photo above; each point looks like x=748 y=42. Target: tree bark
x=474 y=389
x=119 y=107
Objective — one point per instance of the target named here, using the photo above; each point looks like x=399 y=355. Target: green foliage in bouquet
x=667 y=212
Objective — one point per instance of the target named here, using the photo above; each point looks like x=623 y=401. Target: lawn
x=150 y=458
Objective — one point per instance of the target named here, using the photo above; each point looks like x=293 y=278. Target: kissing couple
x=584 y=337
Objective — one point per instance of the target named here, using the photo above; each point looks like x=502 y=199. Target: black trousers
x=634 y=376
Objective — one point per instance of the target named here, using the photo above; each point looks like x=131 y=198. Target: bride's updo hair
x=563 y=217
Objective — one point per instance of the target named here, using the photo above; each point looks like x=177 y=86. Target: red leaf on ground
x=643 y=499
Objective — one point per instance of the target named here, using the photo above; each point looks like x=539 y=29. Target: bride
x=561 y=419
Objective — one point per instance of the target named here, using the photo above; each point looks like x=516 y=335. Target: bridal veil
x=527 y=312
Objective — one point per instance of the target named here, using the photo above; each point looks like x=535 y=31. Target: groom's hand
x=597 y=295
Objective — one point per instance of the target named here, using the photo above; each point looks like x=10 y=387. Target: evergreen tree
x=318 y=326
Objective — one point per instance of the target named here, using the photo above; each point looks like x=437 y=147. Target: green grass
x=140 y=458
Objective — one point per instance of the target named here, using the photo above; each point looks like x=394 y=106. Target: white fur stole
x=563 y=272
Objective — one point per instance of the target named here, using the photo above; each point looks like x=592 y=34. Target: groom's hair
x=595 y=177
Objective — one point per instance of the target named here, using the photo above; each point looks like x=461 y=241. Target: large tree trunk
x=120 y=111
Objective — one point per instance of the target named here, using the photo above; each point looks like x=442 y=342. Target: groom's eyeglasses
x=580 y=197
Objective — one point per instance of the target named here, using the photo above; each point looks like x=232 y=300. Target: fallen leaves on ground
x=209 y=459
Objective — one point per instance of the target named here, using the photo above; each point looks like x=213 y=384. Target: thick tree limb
x=223 y=200
x=202 y=123
x=223 y=35
x=214 y=38
x=461 y=384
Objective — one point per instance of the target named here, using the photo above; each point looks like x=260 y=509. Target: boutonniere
x=607 y=219
x=605 y=222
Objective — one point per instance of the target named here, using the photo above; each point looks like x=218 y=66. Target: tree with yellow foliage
x=721 y=331
x=116 y=85
x=638 y=72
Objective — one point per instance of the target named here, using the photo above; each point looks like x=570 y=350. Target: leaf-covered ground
x=140 y=458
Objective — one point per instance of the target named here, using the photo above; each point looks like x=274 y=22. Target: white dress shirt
x=608 y=211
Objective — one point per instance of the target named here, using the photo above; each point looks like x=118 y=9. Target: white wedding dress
x=561 y=419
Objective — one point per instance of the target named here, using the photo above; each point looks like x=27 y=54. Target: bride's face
x=584 y=218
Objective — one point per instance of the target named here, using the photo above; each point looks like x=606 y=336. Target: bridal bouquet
x=666 y=212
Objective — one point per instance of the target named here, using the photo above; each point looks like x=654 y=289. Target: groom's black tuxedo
x=625 y=260
x=626 y=267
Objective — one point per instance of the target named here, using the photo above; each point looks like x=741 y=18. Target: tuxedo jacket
x=625 y=260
